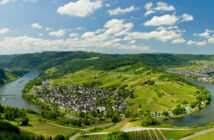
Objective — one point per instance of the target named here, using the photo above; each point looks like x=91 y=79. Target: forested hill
x=45 y=60
x=6 y=57
x=77 y=60
x=6 y=77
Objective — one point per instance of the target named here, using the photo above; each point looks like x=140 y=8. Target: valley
x=79 y=92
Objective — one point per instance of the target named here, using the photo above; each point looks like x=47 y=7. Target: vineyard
x=146 y=135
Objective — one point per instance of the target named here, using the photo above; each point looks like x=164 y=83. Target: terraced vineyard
x=146 y=135
x=92 y=137
x=162 y=95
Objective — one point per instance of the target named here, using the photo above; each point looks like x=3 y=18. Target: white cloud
x=7 y=1
x=80 y=8
x=206 y=34
x=88 y=35
x=118 y=10
x=47 y=29
x=179 y=40
x=187 y=17
x=26 y=44
x=36 y=25
x=131 y=47
x=160 y=6
x=211 y=40
x=149 y=12
x=73 y=34
x=148 y=5
x=117 y=27
x=161 y=35
x=59 y=33
x=4 y=2
x=132 y=42
x=107 y=5
x=4 y=30
x=162 y=20
x=198 y=43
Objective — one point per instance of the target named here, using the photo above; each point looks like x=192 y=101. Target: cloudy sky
x=107 y=26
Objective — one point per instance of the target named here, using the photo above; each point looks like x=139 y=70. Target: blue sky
x=107 y=26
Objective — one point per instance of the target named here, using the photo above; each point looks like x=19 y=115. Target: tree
x=178 y=110
x=115 y=119
x=1 y=109
x=59 y=137
x=23 y=121
x=147 y=121
x=86 y=121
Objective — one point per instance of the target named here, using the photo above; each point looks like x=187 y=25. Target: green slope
x=164 y=94
x=45 y=60
x=6 y=77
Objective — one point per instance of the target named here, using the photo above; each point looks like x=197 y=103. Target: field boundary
x=198 y=134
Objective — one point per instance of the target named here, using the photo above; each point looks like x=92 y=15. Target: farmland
x=155 y=134
x=46 y=128
x=163 y=95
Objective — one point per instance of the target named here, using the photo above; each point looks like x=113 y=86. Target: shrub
x=147 y=121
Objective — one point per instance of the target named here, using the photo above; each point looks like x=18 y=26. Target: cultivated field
x=163 y=95
x=146 y=135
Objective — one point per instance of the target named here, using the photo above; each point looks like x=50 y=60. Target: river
x=199 y=118
x=11 y=93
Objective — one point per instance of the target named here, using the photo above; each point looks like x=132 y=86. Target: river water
x=200 y=118
x=11 y=93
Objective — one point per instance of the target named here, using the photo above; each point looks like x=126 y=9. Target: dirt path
x=75 y=136
x=86 y=129
x=130 y=129
x=62 y=126
x=198 y=133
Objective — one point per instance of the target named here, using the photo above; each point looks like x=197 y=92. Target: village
x=205 y=73
x=79 y=98
x=75 y=98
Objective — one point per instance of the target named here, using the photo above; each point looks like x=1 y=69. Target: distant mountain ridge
x=45 y=60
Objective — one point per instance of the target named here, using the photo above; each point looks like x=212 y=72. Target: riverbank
x=200 y=117
x=13 y=92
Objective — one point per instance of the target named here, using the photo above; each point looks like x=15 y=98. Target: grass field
x=146 y=135
x=45 y=128
x=147 y=96
x=208 y=136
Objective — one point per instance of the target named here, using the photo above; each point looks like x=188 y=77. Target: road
x=86 y=129
x=198 y=133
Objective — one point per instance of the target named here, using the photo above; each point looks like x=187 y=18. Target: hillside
x=42 y=61
x=6 y=77
x=45 y=60
x=7 y=57
x=154 y=90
